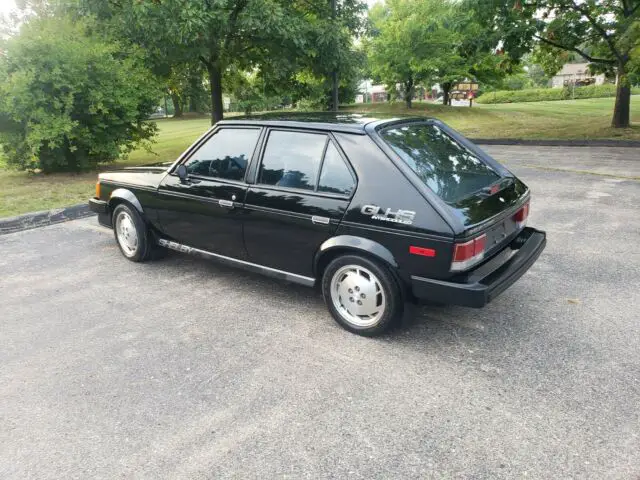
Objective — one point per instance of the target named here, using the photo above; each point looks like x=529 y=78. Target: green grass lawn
x=580 y=119
x=570 y=119
x=23 y=192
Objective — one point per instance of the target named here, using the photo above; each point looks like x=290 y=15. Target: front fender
x=354 y=244
x=127 y=195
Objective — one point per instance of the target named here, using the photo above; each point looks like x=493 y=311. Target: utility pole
x=334 y=74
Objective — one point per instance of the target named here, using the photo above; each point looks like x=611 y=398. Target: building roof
x=574 y=69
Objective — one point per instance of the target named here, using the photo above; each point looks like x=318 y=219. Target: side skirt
x=252 y=267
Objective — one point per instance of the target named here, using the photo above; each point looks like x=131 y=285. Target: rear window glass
x=335 y=176
x=444 y=165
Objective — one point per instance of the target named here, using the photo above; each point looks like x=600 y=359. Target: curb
x=556 y=143
x=42 y=219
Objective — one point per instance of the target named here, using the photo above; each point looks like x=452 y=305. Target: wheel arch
x=345 y=244
x=120 y=195
x=351 y=244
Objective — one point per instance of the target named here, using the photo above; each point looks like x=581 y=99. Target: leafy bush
x=70 y=100
x=545 y=94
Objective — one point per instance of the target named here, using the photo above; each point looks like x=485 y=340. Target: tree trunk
x=334 y=74
x=621 y=111
x=334 y=91
x=408 y=92
x=215 y=84
x=193 y=104
x=446 y=88
x=177 y=105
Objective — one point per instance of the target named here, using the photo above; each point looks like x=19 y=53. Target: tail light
x=467 y=254
x=521 y=216
x=97 y=189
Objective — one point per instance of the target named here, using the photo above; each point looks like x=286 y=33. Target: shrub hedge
x=69 y=99
x=546 y=94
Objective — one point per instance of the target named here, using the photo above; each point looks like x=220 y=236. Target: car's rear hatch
x=486 y=199
x=494 y=211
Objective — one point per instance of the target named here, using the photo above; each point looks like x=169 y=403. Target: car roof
x=350 y=122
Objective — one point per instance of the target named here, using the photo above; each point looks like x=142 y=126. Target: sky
x=6 y=5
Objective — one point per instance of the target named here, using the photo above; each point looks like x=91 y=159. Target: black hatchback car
x=374 y=211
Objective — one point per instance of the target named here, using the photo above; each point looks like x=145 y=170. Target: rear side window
x=335 y=176
x=444 y=165
x=292 y=159
x=225 y=155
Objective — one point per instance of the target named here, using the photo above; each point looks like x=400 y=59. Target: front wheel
x=132 y=234
x=362 y=295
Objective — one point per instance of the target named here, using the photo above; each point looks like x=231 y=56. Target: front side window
x=292 y=159
x=225 y=155
x=448 y=168
x=335 y=176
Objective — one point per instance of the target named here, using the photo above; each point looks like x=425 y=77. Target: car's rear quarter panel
x=381 y=183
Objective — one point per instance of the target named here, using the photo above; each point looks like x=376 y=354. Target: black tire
x=393 y=299
x=146 y=247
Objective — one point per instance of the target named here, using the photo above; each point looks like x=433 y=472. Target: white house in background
x=371 y=93
x=572 y=72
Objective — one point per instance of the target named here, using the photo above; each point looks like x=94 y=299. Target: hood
x=151 y=166
x=145 y=176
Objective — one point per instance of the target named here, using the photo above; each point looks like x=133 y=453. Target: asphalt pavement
x=181 y=368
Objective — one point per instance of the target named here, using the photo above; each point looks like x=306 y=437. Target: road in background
x=186 y=369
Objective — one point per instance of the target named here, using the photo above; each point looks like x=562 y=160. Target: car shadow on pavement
x=503 y=339
x=420 y=322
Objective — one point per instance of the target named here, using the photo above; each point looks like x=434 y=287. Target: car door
x=205 y=210
x=303 y=186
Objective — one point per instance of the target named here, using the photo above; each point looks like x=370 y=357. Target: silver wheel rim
x=126 y=234
x=357 y=295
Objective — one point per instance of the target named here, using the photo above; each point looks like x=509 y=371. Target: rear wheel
x=362 y=295
x=132 y=234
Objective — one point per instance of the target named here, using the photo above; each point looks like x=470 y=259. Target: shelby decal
x=174 y=246
x=399 y=216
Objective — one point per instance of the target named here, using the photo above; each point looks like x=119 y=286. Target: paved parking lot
x=183 y=369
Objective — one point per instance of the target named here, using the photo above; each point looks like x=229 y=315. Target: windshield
x=444 y=165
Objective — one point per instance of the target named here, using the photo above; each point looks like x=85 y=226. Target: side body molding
x=352 y=242
x=127 y=195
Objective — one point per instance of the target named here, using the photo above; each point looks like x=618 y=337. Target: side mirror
x=182 y=173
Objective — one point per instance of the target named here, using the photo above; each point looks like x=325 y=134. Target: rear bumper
x=101 y=207
x=480 y=286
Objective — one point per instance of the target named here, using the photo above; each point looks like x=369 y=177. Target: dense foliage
x=547 y=94
x=430 y=42
x=604 y=33
x=69 y=100
x=280 y=41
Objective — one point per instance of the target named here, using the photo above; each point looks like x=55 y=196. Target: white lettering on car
x=404 y=217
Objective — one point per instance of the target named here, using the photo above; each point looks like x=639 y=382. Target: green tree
x=132 y=23
x=416 y=41
x=221 y=34
x=605 y=33
x=305 y=70
x=68 y=99
x=406 y=49
x=279 y=38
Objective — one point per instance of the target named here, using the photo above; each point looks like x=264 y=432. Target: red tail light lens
x=521 y=216
x=468 y=254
